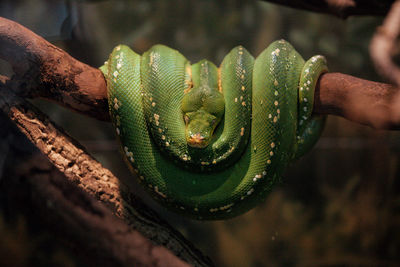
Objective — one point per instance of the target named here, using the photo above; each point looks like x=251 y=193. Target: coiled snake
x=165 y=111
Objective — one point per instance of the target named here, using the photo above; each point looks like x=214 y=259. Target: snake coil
x=165 y=110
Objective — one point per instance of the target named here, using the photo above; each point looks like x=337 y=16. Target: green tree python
x=210 y=142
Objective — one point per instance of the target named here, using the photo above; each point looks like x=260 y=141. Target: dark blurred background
x=338 y=206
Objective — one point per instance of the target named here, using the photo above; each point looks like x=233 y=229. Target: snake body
x=165 y=110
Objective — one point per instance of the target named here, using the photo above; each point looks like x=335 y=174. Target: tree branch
x=82 y=88
x=41 y=191
x=84 y=171
x=42 y=69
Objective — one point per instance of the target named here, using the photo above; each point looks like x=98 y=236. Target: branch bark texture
x=81 y=221
x=85 y=172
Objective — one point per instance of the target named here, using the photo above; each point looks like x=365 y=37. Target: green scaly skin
x=150 y=95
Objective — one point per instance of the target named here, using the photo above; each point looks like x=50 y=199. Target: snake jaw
x=197 y=140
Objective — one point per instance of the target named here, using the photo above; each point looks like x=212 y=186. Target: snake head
x=200 y=126
x=202 y=112
x=203 y=106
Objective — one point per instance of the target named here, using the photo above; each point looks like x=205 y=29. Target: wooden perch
x=49 y=72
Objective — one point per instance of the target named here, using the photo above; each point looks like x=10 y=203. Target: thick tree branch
x=40 y=189
x=84 y=171
x=362 y=101
x=337 y=94
x=42 y=69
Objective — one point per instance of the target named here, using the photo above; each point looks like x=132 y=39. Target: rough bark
x=84 y=171
x=79 y=220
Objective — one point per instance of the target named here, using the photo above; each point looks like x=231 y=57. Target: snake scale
x=210 y=142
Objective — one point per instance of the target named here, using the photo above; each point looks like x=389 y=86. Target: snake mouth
x=197 y=140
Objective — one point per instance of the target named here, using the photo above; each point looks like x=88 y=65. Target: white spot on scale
x=276 y=92
x=250 y=191
x=115 y=74
x=270 y=115
x=276 y=103
x=276 y=52
x=118 y=48
x=305 y=99
x=242 y=131
x=119 y=65
x=276 y=82
x=118 y=131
